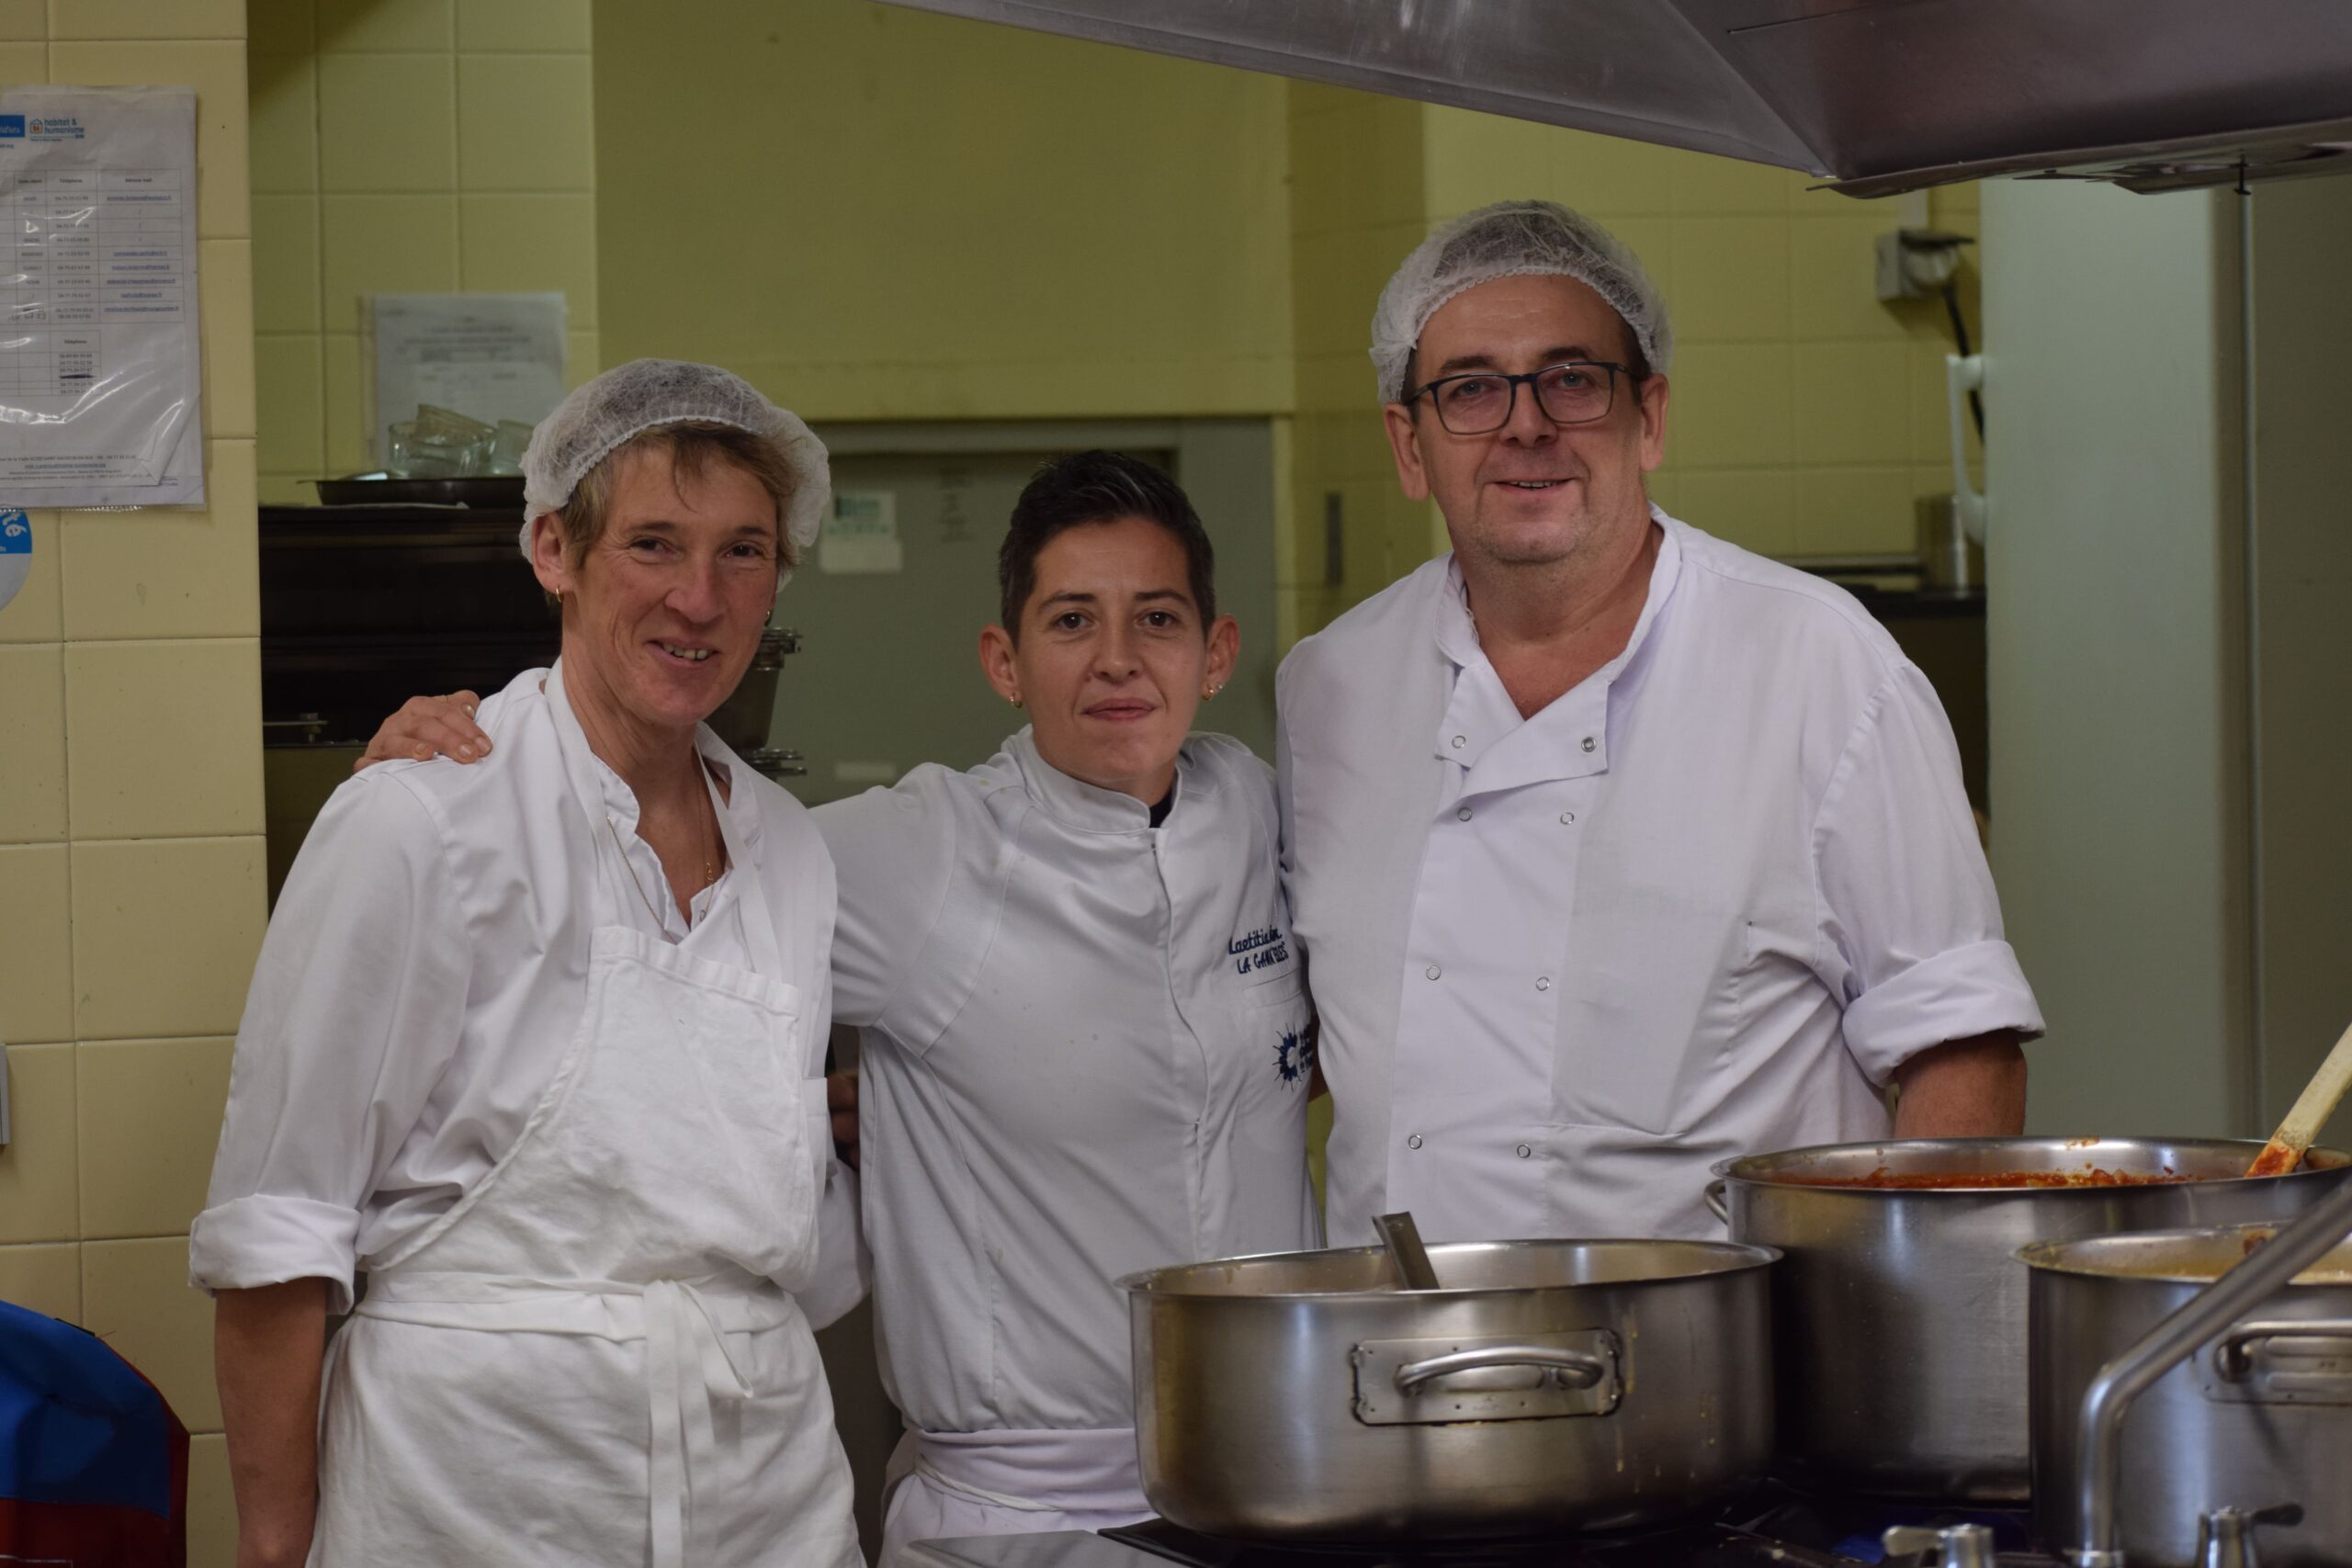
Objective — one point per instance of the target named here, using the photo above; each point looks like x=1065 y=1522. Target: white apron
x=593 y=1358
x=944 y=1484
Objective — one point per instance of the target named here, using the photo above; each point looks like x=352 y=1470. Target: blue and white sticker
x=16 y=553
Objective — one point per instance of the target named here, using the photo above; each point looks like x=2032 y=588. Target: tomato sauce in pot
x=1883 y=1179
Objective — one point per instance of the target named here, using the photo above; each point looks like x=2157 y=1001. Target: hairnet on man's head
x=603 y=414
x=1512 y=239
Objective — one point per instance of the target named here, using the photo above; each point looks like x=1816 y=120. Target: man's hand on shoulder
x=425 y=727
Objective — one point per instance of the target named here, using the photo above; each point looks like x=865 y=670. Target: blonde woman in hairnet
x=537 y=1044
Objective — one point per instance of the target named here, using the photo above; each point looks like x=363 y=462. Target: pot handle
x=1571 y=1368
x=2231 y=1350
x=1715 y=1204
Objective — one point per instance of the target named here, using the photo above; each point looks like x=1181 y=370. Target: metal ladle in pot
x=1405 y=1250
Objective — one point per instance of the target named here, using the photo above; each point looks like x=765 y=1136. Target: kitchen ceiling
x=1874 y=95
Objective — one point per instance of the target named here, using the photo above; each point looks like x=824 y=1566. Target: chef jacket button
x=1434 y=971
x=1462 y=814
x=1542 y=982
x=1460 y=741
x=1524 y=1152
x=1412 y=1140
x=1567 y=816
x=1588 y=742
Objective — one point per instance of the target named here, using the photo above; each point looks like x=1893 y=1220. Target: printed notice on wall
x=99 y=376
x=488 y=356
x=861 y=534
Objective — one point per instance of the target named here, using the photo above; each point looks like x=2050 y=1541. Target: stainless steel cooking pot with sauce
x=1901 y=1309
x=1549 y=1386
x=2259 y=1418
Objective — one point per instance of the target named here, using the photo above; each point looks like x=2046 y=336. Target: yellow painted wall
x=130 y=810
x=876 y=213
x=407 y=146
x=1806 y=415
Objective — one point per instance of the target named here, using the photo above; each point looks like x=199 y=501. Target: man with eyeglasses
x=1616 y=851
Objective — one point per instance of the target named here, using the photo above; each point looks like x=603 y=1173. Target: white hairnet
x=1512 y=239
x=602 y=414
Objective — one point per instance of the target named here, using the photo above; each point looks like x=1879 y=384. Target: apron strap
x=680 y=1335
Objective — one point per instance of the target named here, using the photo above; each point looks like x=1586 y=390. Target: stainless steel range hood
x=1875 y=96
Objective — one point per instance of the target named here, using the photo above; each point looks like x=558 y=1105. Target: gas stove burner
x=1702 y=1546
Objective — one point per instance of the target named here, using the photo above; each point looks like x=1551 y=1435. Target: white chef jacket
x=1702 y=904
x=423 y=973
x=1084 y=1055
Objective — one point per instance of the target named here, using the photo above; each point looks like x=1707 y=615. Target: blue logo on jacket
x=1294 y=1058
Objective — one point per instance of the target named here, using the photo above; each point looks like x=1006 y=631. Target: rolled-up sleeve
x=357 y=1006
x=1908 y=927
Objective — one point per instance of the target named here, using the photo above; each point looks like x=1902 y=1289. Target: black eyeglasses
x=1577 y=391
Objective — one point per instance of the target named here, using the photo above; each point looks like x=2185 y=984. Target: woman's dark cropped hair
x=1098 y=487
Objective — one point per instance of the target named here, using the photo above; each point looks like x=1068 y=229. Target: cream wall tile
x=211 y=1505
x=216 y=69
x=525 y=122
x=164 y=738
x=135 y=1295
x=36 y=943
x=24 y=21
x=292 y=398
x=1729 y=407
x=286 y=263
x=1853 y=402
x=37 y=1167
x=1754 y=508
x=1731 y=279
x=347 y=400
x=281 y=26
x=224 y=272
x=387 y=25
x=32 y=717
x=581 y=358
x=289 y=489
x=360 y=95
x=525 y=244
x=528 y=25
x=169 y=571
x=150 y=1118
x=1836 y=279
x=1851 y=510
x=24 y=61
x=1608 y=174
x=45 y=1279
x=164 y=934
x=38 y=612
x=285 y=123
x=147 y=19
x=1706 y=184
x=386 y=244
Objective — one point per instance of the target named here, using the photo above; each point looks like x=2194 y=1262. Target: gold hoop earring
x=1015 y=700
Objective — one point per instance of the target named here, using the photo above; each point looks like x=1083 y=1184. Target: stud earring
x=1015 y=700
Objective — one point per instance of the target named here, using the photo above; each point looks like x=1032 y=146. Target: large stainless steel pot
x=1551 y=1386
x=1902 y=1312
x=2260 y=1418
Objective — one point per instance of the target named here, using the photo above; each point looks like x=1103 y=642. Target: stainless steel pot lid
x=1467 y=1268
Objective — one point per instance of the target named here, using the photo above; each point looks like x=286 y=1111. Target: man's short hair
x=1089 y=488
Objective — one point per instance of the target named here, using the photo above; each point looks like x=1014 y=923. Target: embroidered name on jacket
x=1260 y=949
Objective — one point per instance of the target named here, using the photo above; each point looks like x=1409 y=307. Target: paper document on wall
x=488 y=356
x=861 y=534
x=99 y=376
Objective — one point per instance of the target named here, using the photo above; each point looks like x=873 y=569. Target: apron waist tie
x=687 y=1364
x=1073 y=1470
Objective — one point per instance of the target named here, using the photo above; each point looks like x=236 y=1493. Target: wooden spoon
x=2285 y=1150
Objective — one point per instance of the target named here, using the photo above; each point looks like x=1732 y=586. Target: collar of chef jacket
x=1079 y=805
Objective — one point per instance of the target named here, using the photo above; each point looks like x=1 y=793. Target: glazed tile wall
x=130 y=810
x=406 y=146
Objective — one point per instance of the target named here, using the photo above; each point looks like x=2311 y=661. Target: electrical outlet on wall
x=1916 y=264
